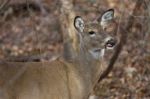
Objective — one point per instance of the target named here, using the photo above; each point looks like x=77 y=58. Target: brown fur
x=59 y=79
x=47 y=80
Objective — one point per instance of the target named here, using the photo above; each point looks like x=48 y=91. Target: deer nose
x=110 y=43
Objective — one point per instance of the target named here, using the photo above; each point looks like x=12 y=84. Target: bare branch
x=123 y=38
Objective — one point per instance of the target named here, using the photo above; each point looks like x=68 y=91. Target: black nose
x=110 y=43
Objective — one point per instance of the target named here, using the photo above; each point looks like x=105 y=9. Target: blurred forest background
x=30 y=30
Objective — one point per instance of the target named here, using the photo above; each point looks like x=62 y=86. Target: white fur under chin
x=97 y=55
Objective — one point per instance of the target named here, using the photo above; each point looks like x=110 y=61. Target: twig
x=120 y=45
x=122 y=42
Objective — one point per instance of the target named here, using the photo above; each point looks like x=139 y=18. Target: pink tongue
x=109 y=45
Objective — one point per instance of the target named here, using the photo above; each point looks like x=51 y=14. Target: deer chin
x=97 y=53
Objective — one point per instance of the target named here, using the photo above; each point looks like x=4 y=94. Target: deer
x=67 y=77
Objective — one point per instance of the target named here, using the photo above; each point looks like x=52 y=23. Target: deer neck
x=81 y=63
x=71 y=47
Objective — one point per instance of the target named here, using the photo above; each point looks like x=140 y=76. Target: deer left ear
x=106 y=16
x=79 y=23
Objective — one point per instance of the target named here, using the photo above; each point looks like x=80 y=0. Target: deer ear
x=79 y=23
x=106 y=17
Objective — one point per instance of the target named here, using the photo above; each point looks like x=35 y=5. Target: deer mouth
x=110 y=44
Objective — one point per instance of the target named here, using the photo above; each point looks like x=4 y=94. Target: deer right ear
x=106 y=17
x=79 y=23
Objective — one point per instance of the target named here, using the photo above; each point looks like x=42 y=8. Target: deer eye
x=92 y=33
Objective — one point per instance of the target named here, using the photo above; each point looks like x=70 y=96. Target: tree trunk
x=67 y=20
